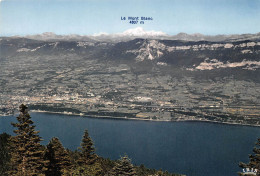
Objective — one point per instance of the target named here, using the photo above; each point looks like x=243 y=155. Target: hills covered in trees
x=23 y=155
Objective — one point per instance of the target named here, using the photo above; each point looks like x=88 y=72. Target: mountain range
x=139 y=32
x=136 y=74
x=190 y=52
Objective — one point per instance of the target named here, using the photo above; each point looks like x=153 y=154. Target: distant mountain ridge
x=139 y=32
x=189 y=55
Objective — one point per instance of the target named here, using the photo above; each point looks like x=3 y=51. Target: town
x=95 y=89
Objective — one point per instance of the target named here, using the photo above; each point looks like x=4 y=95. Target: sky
x=88 y=17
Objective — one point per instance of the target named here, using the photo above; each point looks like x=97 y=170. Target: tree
x=106 y=165
x=59 y=161
x=254 y=162
x=87 y=162
x=26 y=151
x=85 y=170
x=4 y=154
x=87 y=151
x=123 y=167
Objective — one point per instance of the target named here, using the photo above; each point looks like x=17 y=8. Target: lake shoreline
x=152 y=120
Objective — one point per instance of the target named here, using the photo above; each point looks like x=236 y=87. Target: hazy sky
x=87 y=17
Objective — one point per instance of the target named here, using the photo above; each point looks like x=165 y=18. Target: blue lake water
x=191 y=148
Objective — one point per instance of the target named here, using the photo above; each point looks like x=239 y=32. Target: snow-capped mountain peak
x=135 y=32
x=139 y=31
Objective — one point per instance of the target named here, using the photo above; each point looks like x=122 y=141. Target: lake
x=191 y=148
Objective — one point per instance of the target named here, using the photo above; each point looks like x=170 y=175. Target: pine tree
x=87 y=151
x=87 y=162
x=59 y=161
x=4 y=154
x=88 y=170
x=254 y=162
x=123 y=168
x=26 y=151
